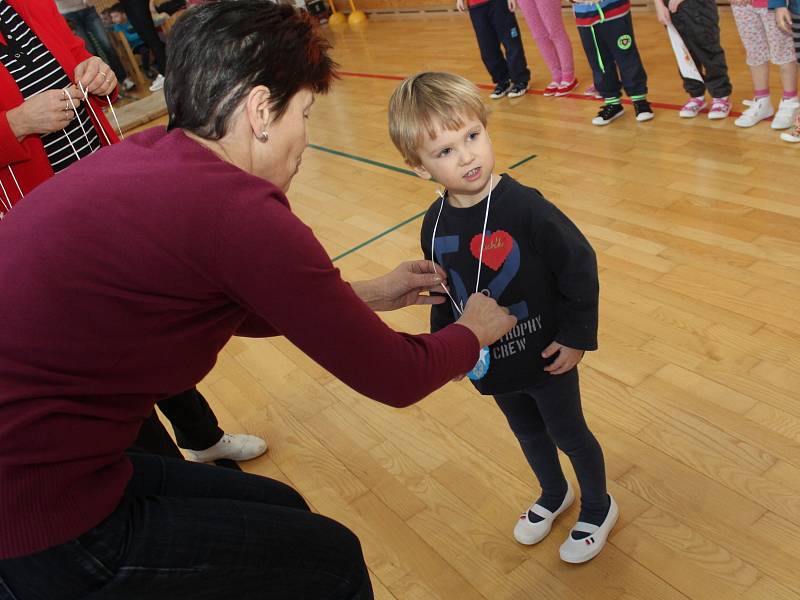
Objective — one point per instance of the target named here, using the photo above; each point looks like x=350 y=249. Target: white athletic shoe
x=758 y=110
x=528 y=533
x=157 y=84
x=238 y=447
x=579 y=551
x=785 y=116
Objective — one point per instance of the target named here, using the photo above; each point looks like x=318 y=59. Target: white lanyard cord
x=5 y=197
x=91 y=108
x=483 y=240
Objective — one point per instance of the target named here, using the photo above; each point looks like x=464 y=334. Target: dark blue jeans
x=494 y=25
x=548 y=416
x=89 y=27
x=191 y=531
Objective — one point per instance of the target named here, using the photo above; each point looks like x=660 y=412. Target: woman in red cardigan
x=43 y=66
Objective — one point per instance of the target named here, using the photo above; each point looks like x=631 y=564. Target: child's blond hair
x=429 y=100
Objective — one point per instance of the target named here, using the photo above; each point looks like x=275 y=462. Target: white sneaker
x=528 y=533
x=157 y=84
x=579 y=551
x=785 y=115
x=238 y=447
x=792 y=138
x=759 y=109
x=127 y=84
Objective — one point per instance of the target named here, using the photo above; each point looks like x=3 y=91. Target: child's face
x=117 y=18
x=461 y=160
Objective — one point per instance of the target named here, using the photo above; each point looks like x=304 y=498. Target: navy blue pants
x=494 y=25
x=620 y=58
x=190 y=531
x=546 y=417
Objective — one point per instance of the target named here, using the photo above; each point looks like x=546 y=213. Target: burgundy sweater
x=121 y=279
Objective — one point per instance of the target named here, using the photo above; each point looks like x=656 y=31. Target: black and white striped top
x=36 y=70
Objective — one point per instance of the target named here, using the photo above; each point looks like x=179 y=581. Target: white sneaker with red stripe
x=528 y=532
x=567 y=86
x=551 y=89
x=585 y=549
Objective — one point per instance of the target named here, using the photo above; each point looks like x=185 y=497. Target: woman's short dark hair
x=219 y=51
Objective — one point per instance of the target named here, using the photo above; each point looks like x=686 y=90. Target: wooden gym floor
x=693 y=393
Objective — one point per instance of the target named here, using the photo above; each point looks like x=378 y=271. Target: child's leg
x=505 y=24
x=559 y=402
x=531 y=10
x=756 y=47
x=144 y=53
x=526 y=422
x=789 y=79
x=618 y=34
x=489 y=43
x=698 y=24
x=604 y=69
x=550 y=11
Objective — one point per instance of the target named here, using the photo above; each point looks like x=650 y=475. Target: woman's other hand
x=486 y=319
x=45 y=112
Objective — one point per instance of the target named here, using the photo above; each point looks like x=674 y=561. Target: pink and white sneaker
x=720 y=108
x=551 y=89
x=592 y=91
x=691 y=109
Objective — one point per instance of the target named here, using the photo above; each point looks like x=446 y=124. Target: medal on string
x=482 y=366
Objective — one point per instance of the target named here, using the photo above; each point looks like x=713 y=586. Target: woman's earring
x=264 y=136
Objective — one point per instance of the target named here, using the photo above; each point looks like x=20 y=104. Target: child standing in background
x=606 y=31
x=697 y=21
x=764 y=42
x=495 y=24
x=547 y=28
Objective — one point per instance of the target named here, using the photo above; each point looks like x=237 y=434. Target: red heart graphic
x=496 y=248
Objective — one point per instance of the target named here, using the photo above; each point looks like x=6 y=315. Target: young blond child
x=494 y=235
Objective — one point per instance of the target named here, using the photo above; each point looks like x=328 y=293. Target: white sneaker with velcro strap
x=585 y=549
x=527 y=532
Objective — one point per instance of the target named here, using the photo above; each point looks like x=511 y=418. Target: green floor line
x=522 y=162
x=379 y=236
x=368 y=161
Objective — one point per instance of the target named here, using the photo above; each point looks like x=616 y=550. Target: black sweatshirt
x=535 y=262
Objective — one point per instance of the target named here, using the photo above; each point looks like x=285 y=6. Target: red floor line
x=487 y=86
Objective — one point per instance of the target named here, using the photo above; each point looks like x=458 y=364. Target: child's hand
x=460 y=5
x=674 y=4
x=512 y=5
x=783 y=19
x=565 y=361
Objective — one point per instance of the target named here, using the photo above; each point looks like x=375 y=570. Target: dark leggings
x=138 y=12
x=547 y=416
x=191 y=531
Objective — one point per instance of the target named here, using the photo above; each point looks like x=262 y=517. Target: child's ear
x=420 y=171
